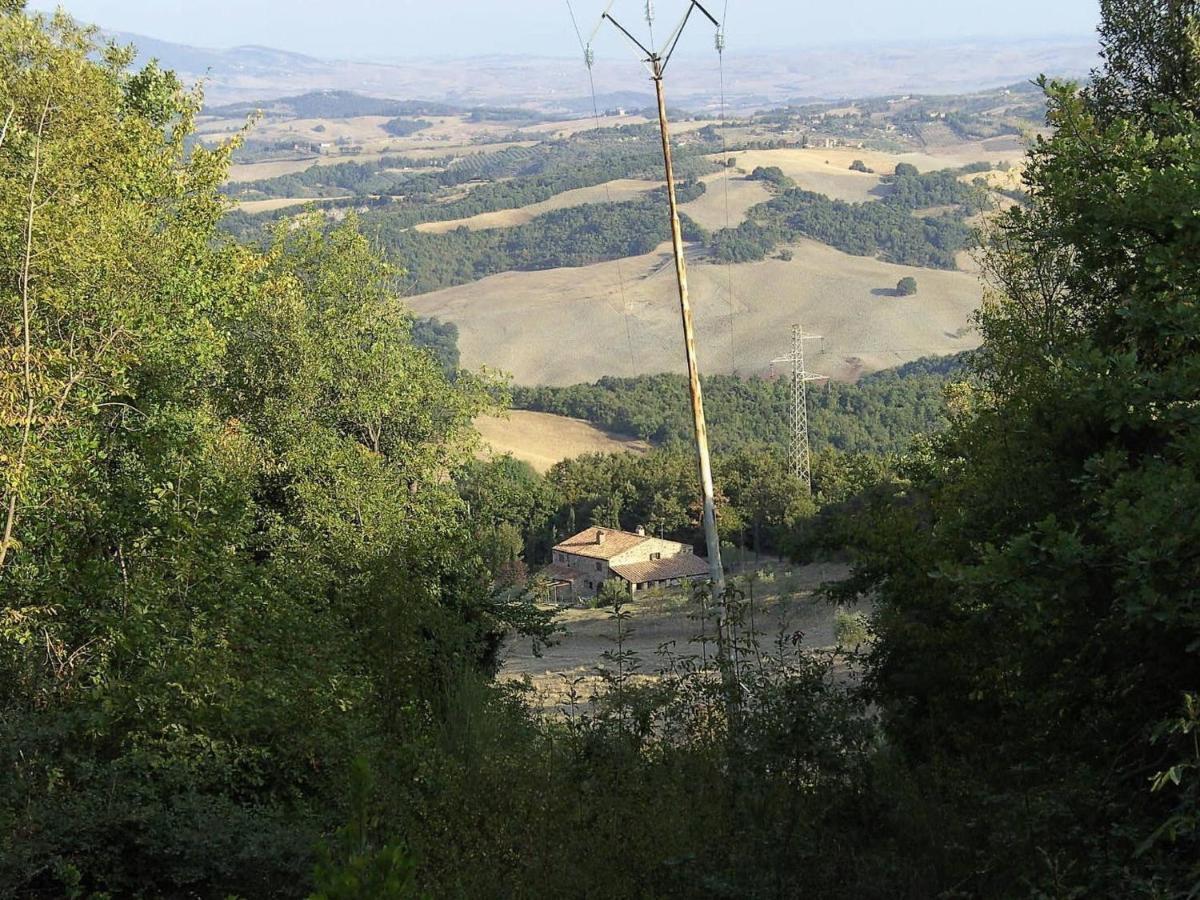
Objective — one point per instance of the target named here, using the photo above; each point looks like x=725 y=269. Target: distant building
x=581 y=564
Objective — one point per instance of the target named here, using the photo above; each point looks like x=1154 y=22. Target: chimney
x=641 y=530
x=599 y=536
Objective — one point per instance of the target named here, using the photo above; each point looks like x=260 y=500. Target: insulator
x=650 y=12
x=589 y=57
x=720 y=41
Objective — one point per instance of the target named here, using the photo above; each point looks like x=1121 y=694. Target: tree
x=1036 y=572
x=905 y=170
x=228 y=549
x=906 y=287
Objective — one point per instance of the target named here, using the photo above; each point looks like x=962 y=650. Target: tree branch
x=12 y=109
x=10 y=520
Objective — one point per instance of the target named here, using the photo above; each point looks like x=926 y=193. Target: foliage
x=230 y=560
x=772 y=175
x=906 y=286
x=404 y=126
x=1036 y=573
x=886 y=228
x=576 y=236
x=352 y=866
x=880 y=413
x=440 y=339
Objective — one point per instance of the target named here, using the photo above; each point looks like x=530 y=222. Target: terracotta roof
x=686 y=565
x=614 y=544
x=556 y=572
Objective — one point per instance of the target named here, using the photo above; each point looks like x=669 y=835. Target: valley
x=542 y=241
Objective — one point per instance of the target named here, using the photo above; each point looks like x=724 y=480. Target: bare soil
x=785 y=606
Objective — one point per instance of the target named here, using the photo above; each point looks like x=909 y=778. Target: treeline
x=344 y=105
x=885 y=228
x=536 y=173
x=520 y=515
x=880 y=413
x=441 y=340
x=577 y=236
x=232 y=568
x=358 y=178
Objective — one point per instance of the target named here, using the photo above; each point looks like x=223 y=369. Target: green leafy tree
x=906 y=287
x=1036 y=575
x=228 y=549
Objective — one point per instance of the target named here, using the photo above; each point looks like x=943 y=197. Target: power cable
x=720 y=40
x=589 y=60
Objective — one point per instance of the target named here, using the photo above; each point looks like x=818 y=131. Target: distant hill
x=559 y=85
x=248 y=60
x=335 y=105
x=330 y=104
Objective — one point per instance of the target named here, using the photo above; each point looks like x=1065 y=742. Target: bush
x=850 y=630
x=859 y=166
x=906 y=287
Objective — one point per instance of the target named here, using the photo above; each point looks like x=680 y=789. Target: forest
x=575 y=236
x=254 y=583
x=885 y=228
x=881 y=413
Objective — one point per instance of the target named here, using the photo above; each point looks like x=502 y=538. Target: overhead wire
x=589 y=60
x=720 y=40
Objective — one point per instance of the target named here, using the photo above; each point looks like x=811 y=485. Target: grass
x=567 y=326
x=542 y=440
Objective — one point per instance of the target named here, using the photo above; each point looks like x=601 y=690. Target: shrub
x=906 y=287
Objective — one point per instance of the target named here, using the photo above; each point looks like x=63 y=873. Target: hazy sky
x=379 y=29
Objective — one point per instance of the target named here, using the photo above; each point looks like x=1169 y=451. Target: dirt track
x=785 y=605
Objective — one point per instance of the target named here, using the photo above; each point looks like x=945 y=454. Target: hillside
x=542 y=439
x=566 y=326
x=541 y=239
x=252 y=74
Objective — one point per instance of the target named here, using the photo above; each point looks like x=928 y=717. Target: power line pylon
x=800 y=448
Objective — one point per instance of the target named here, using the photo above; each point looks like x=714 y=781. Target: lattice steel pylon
x=800 y=448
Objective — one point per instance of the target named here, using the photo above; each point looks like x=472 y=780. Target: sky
x=378 y=29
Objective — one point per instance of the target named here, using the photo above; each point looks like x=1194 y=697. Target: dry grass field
x=827 y=171
x=542 y=440
x=824 y=171
x=709 y=211
x=566 y=326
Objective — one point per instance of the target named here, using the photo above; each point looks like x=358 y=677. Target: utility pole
x=799 y=450
x=657 y=63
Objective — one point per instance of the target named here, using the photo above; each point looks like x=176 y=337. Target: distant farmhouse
x=584 y=562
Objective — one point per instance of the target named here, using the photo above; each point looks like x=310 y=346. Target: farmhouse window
x=654 y=556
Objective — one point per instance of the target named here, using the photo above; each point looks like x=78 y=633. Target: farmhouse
x=584 y=562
